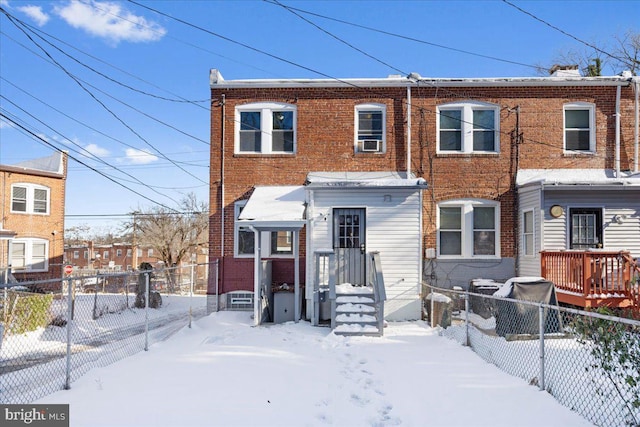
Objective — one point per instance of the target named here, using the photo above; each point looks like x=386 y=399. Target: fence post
x=191 y=294
x=466 y=318
x=67 y=381
x=146 y=312
x=541 y=331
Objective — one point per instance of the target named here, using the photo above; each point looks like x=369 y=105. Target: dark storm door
x=349 y=245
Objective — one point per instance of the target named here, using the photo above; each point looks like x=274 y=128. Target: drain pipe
x=408 y=131
x=636 y=86
x=220 y=275
x=617 y=114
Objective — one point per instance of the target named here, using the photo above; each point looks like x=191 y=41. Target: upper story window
x=30 y=198
x=579 y=127
x=30 y=255
x=129 y=252
x=468 y=127
x=105 y=255
x=265 y=128
x=76 y=254
x=370 y=128
x=150 y=252
x=469 y=229
x=118 y=252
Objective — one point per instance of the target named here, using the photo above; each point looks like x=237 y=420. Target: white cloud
x=35 y=13
x=110 y=21
x=140 y=157
x=96 y=150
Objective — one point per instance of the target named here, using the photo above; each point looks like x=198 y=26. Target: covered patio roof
x=380 y=179
x=275 y=208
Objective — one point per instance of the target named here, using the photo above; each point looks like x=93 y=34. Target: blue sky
x=136 y=108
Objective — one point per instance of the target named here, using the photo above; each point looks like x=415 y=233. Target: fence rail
x=53 y=331
x=589 y=361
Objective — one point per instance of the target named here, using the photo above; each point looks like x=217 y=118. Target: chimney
x=564 y=71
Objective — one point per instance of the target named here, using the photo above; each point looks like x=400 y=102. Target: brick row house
x=448 y=180
x=115 y=257
x=32 y=218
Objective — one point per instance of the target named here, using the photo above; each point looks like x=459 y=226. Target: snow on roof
x=275 y=204
x=363 y=179
x=52 y=163
x=575 y=177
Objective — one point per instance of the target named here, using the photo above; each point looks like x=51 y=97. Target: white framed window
x=76 y=254
x=105 y=255
x=30 y=199
x=86 y=255
x=469 y=229
x=118 y=252
x=30 y=255
x=244 y=241
x=265 y=128
x=528 y=242
x=468 y=127
x=281 y=243
x=579 y=127
x=138 y=252
x=150 y=252
x=129 y=253
x=370 y=129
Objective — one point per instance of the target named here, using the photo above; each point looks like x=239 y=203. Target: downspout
x=617 y=114
x=408 y=131
x=636 y=86
x=220 y=279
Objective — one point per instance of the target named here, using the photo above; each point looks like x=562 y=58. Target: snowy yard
x=223 y=371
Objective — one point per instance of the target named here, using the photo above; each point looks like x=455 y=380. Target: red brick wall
x=49 y=227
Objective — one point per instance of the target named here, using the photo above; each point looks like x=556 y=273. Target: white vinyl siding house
x=393 y=228
x=617 y=200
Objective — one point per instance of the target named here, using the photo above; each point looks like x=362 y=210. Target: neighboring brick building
x=32 y=217
x=468 y=138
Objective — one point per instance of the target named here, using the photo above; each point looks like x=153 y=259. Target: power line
x=13 y=122
x=102 y=104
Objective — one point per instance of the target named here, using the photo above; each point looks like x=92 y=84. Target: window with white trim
x=281 y=243
x=579 y=127
x=244 y=242
x=265 y=128
x=150 y=252
x=30 y=199
x=118 y=252
x=30 y=255
x=370 y=130
x=129 y=252
x=105 y=255
x=76 y=254
x=468 y=127
x=469 y=229
x=528 y=242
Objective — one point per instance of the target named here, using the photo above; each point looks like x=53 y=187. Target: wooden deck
x=593 y=278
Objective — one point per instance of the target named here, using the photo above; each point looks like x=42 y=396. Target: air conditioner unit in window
x=371 y=144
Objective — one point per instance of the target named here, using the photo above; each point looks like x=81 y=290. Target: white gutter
x=617 y=114
x=408 y=131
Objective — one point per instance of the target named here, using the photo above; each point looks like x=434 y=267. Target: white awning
x=577 y=178
x=275 y=208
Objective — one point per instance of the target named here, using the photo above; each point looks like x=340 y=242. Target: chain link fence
x=54 y=331
x=589 y=361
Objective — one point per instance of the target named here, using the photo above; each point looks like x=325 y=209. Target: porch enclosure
x=593 y=278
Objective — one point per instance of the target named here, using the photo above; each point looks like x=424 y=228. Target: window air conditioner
x=371 y=144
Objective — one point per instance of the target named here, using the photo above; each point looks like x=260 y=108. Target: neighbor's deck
x=593 y=278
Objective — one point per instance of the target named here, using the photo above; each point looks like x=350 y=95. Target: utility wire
x=561 y=30
x=79 y=83
x=87 y=153
x=18 y=125
x=400 y=36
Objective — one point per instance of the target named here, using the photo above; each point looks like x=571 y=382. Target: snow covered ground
x=225 y=372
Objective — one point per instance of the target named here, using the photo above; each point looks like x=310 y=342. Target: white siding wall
x=392 y=228
x=625 y=236
x=529 y=199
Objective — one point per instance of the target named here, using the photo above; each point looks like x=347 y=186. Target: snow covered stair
x=357 y=313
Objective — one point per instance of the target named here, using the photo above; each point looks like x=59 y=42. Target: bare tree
x=621 y=54
x=627 y=52
x=172 y=235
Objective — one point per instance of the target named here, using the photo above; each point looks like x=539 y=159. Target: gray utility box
x=283 y=307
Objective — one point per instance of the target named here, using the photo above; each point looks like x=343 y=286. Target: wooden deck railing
x=593 y=278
